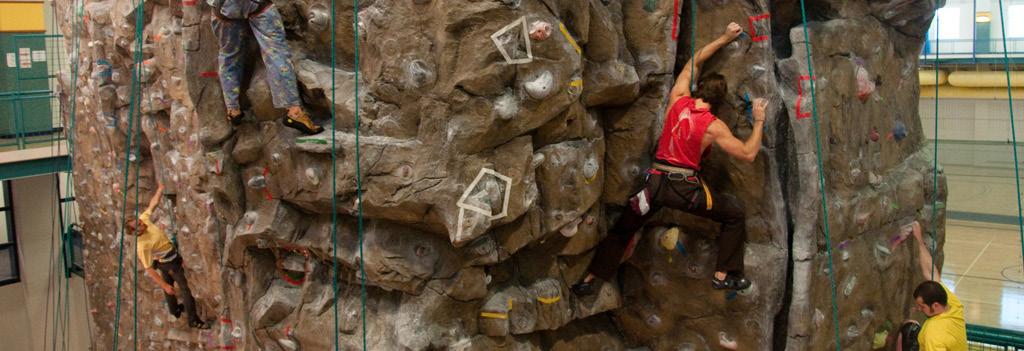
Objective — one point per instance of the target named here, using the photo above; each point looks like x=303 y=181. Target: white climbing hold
x=727 y=342
x=570 y=229
x=313 y=178
x=507 y=105
x=540 y=86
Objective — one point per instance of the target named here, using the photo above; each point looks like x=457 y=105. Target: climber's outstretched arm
x=924 y=254
x=692 y=68
x=156 y=197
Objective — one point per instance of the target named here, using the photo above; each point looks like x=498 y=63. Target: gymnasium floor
x=983 y=244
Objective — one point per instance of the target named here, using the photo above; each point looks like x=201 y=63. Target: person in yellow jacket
x=156 y=252
x=944 y=330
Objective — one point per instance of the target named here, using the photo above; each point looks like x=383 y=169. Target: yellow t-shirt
x=152 y=243
x=946 y=331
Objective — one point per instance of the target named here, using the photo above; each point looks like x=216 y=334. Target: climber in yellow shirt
x=944 y=330
x=155 y=250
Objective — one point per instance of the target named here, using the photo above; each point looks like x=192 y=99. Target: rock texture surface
x=498 y=140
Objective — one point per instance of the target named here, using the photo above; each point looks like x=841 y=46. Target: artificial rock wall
x=498 y=140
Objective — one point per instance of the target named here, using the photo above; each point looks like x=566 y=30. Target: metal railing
x=983 y=338
x=1014 y=46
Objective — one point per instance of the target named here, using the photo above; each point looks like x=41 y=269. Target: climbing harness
x=821 y=178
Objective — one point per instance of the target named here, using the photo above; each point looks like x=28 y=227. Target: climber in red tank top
x=674 y=181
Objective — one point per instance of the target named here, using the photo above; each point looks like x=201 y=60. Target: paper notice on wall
x=38 y=56
x=10 y=60
x=25 y=57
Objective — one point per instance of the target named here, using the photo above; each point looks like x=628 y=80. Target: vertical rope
x=133 y=104
x=821 y=177
x=359 y=172
x=334 y=178
x=693 y=44
x=1013 y=127
x=935 y=157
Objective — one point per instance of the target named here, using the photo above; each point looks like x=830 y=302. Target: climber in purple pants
x=674 y=180
x=233 y=19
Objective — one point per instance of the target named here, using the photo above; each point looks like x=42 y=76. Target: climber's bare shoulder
x=719 y=133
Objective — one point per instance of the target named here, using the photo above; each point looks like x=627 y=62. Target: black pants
x=173 y=273
x=685 y=194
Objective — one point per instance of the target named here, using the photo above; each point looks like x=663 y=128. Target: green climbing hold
x=649 y=5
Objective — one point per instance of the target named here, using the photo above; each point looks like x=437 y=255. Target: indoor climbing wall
x=498 y=139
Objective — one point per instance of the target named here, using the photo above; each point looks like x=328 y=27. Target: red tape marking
x=208 y=74
x=753 y=29
x=800 y=97
x=188 y=3
x=675 y=20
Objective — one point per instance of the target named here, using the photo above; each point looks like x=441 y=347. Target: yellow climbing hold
x=669 y=238
x=576 y=86
x=549 y=300
x=565 y=32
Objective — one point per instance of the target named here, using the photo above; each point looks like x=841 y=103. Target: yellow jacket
x=946 y=331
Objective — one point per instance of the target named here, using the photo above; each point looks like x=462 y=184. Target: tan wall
x=27 y=322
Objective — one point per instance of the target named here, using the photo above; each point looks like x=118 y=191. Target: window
x=10 y=271
x=949 y=20
x=1015 y=28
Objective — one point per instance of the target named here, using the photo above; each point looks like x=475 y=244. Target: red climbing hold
x=208 y=74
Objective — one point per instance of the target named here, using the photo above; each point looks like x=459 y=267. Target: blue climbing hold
x=680 y=248
x=899 y=131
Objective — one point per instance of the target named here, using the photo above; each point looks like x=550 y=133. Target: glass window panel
x=4 y=236
x=1015 y=27
x=8 y=268
x=62 y=184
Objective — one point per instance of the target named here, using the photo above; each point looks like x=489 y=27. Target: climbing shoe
x=300 y=121
x=199 y=325
x=176 y=312
x=234 y=116
x=731 y=282
x=582 y=289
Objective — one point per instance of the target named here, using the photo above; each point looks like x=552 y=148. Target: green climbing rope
x=359 y=172
x=935 y=159
x=821 y=177
x=1013 y=130
x=133 y=104
x=693 y=45
x=334 y=179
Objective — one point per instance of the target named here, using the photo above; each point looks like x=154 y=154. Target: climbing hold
x=881 y=337
x=570 y=229
x=257 y=182
x=540 y=30
x=726 y=341
x=319 y=19
x=874 y=134
x=590 y=168
x=899 y=131
x=575 y=86
x=650 y=5
x=653 y=320
x=865 y=86
x=850 y=284
x=507 y=105
x=313 y=178
x=669 y=238
x=540 y=86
